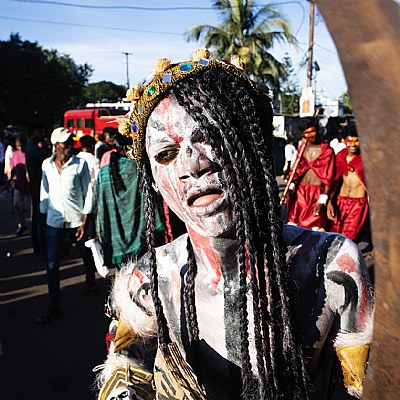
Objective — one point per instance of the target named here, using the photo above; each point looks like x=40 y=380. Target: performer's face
x=190 y=180
x=310 y=134
x=353 y=144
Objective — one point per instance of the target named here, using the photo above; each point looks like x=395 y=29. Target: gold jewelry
x=152 y=91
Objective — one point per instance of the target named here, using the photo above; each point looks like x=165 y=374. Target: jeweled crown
x=166 y=75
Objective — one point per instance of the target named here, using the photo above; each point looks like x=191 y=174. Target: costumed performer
x=311 y=179
x=242 y=306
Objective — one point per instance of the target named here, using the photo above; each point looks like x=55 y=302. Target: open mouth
x=205 y=198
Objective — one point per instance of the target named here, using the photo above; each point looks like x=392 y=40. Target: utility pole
x=127 y=68
x=310 y=44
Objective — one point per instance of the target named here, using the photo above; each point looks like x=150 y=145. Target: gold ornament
x=166 y=76
x=133 y=93
x=200 y=53
x=161 y=65
x=237 y=62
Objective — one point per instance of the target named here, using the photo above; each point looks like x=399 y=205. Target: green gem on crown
x=151 y=90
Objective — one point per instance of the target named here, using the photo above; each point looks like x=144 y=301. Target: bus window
x=79 y=122
x=88 y=122
x=70 y=124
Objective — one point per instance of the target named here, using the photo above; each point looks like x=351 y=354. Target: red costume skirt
x=351 y=216
x=302 y=205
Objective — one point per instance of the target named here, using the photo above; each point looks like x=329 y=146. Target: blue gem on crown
x=167 y=78
x=134 y=127
x=204 y=61
x=186 y=67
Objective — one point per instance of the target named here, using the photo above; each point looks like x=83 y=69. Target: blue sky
x=100 y=36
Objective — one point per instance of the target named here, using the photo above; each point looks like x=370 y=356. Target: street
x=54 y=361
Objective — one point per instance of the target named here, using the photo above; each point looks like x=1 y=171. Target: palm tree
x=249 y=31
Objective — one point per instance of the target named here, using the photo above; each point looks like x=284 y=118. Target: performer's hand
x=330 y=211
x=80 y=232
x=319 y=209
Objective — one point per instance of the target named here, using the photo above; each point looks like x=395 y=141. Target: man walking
x=348 y=207
x=66 y=197
x=311 y=179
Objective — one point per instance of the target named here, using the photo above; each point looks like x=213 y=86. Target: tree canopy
x=37 y=85
x=103 y=90
x=249 y=31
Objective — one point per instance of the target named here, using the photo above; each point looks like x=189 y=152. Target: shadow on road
x=54 y=361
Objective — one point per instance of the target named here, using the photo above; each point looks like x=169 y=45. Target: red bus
x=93 y=119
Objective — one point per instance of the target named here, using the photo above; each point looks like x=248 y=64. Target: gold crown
x=166 y=75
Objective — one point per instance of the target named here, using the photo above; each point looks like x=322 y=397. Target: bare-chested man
x=311 y=180
x=348 y=205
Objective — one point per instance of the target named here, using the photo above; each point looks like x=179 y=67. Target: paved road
x=55 y=361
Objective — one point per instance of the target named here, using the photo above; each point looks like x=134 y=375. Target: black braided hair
x=121 y=141
x=237 y=121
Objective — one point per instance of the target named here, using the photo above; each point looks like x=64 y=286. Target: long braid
x=242 y=230
x=189 y=295
x=162 y=328
x=119 y=183
x=280 y=272
x=275 y=263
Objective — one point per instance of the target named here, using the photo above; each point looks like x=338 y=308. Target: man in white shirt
x=66 y=198
x=290 y=157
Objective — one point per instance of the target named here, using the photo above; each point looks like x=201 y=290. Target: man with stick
x=310 y=179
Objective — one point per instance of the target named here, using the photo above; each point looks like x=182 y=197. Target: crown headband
x=146 y=97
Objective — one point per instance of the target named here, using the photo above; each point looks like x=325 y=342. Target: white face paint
x=185 y=171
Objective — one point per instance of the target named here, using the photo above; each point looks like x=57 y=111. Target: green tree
x=37 y=85
x=249 y=31
x=345 y=99
x=103 y=90
x=290 y=92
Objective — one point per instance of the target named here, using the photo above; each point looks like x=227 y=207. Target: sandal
x=48 y=316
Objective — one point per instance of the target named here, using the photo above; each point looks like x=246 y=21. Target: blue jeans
x=55 y=238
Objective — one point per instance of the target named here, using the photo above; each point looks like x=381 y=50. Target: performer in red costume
x=311 y=180
x=348 y=205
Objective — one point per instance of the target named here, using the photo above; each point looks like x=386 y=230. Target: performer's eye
x=166 y=156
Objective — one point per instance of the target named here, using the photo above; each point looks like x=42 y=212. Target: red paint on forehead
x=165 y=111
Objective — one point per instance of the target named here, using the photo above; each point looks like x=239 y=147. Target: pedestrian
x=109 y=136
x=35 y=154
x=66 y=198
x=99 y=143
x=348 y=206
x=290 y=157
x=118 y=205
x=20 y=182
x=312 y=178
x=222 y=312
x=87 y=153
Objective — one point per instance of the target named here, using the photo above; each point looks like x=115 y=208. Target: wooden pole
x=296 y=163
x=367 y=36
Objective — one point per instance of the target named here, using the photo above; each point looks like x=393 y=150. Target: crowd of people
x=77 y=196
x=231 y=303
x=326 y=185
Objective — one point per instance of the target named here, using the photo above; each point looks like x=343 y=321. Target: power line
x=124 y=7
x=90 y=26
